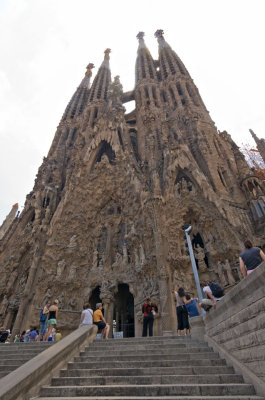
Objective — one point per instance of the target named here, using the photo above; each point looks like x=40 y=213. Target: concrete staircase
x=13 y=355
x=148 y=368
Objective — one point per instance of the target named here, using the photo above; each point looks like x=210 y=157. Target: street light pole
x=187 y=229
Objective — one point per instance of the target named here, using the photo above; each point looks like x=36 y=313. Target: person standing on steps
x=250 y=258
x=182 y=313
x=149 y=309
x=43 y=320
x=52 y=319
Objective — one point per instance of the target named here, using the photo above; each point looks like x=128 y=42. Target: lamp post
x=187 y=229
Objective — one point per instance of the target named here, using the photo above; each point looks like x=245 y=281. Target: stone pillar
x=27 y=295
x=165 y=302
x=108 y=313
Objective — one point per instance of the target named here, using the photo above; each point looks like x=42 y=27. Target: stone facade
x=103 y=221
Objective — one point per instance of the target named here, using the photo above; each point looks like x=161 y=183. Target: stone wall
x=238 y=323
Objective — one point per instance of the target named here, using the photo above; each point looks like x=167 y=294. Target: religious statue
x=221 y=274
x=72 y=272
x=228 y=269
x=73 y=242
x=200 y=255
x=95 y=258
x=60 y=268
x=115 y=90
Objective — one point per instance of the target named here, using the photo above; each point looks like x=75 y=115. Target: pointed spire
x=79 y=98
x=260 y=144
x=105 y=62
x=86 y=80
x=140 y=37
x=145 y=66
x=159 y=34
x=170 y=63
x=99 y=88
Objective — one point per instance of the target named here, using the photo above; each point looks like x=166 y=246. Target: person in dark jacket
x=250 y=258
x=148 y=309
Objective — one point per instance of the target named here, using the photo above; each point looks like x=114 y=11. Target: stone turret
x=260 y=144
x=9 y=220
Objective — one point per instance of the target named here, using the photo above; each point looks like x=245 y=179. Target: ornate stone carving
x=228 y=270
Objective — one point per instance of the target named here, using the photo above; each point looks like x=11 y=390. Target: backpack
x=42 y=316
x=216 y=289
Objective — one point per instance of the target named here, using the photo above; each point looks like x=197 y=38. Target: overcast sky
x=46 y=45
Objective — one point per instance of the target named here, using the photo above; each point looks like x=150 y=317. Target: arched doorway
x=123 y=312
x=95 y=297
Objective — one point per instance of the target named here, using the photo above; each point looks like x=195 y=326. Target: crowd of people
x=186 y=307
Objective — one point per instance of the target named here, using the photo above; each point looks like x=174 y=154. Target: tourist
x=182 y=313
x=149 y=309
x=87 y=315
x=58 y=336
x=191 y=306
x=43 y=320
x=3 y=334
x=26 y=336
x=99 y=320
x=52 y=319
x=33 y=335
x=213 y=293
x=22 y=336
x=250 y=258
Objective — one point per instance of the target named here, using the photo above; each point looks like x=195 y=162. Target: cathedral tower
x=103 y=221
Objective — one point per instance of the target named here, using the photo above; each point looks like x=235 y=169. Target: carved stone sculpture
x=228 y=269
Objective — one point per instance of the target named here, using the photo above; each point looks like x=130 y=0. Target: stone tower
x=260 y=144
x=103 y=221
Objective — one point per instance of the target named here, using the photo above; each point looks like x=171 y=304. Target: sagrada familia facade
x=103 y=221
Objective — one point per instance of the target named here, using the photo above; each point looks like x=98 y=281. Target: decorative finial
x=140 y=35
x=89 y=69
x=159 y=34
x=107 y=53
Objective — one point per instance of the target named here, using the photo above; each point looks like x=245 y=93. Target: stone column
x=165 y=302
x=28 y=293
x=108 y=313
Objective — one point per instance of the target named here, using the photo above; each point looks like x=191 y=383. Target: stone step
x=148 y=379
x=145 y=364
x=121 y=342
x=132 y=351
x=148 y=346
x=183 y=370
x=17 y=356
x=143 y=357
x=22 y=346
x=236 y=397
x=16 y=363
x=9 y=354
x=150 y=390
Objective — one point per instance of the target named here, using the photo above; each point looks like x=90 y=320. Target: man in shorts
x=99 y=320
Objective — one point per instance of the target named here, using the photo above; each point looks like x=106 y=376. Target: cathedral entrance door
x=124 y=310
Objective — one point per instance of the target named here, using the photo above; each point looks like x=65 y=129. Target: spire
x=260 y=144
x=99 y=88
x=86 y=80
x=170 y=63
x=145 y=66
x=79 y=98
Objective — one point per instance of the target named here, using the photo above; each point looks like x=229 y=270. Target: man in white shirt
x=86 y=316
x=210 y=300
